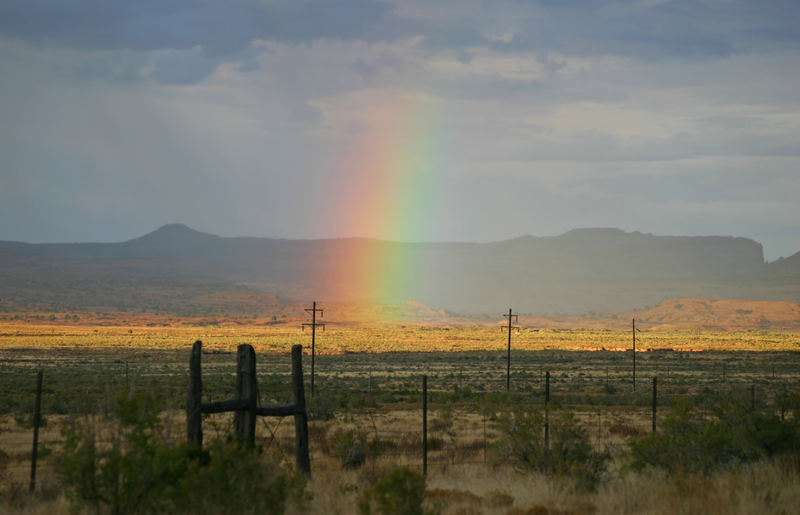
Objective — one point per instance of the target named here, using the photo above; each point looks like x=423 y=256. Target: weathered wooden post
x=655 y=402
x=244 y=421
x=546 y=410
x=300 y=416
x=194 y=401
x=424 y=425
x=245 y=404
x=36 y=419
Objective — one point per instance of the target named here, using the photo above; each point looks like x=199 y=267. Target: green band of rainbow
x=392 y=178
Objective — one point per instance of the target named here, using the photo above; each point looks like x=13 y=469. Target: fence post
x=194 y=401
x=244 y=421
x=783 y=403
x=752 y=397
x=655 y=401
x=425 y=425
x=546 y=410
x=484 y=437
x=36 y=419
x=301 y=418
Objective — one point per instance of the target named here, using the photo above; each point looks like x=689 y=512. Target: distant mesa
x=596 y=233
x=603 y=270
x=173 y=232
x=171 y=241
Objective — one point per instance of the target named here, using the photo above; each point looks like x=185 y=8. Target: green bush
x=399 y=493
x=690 y=442
x=570 y=453
x=138 y=472
x=236 y=477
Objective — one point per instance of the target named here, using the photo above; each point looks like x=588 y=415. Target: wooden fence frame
x=245 y=404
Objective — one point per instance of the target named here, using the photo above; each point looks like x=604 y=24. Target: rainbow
x=392 y=177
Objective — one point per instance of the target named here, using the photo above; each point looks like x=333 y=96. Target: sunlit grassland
x=83 y=362
x=387 y=338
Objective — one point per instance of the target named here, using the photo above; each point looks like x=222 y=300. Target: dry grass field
x=368 y=402
x=149 y=332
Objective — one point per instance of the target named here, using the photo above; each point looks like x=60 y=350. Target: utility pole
x=313 y=310
x=633 y=331
x=508 y=363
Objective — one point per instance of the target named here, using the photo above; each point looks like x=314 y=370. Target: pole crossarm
x=225 y=406
x=314 y=310
x=509 y=315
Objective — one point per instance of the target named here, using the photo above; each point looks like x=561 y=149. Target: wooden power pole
x=313 y=324
x=633 y=331
x=508 y=361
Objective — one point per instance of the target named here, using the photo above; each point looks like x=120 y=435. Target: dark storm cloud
x=183 y=67
x=458 y=38
x=672 y=29
x=221 y=28
x=201 y=34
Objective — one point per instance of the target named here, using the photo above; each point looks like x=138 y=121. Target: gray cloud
x=199 y=35
x=183 y=67
x=219 y=28
x=672 y=117
x=691 y=29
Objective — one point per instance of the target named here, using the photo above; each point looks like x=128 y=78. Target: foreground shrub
x=690 y=442
x=138 y=472
x=401 y=492
x=570 y=454
x=236 y=477
x=351 y=447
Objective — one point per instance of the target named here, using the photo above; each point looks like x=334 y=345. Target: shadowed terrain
x=179 y=270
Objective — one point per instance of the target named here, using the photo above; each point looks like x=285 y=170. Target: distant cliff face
x=603 y=270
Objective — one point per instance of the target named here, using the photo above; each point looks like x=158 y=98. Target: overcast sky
x=246 y=117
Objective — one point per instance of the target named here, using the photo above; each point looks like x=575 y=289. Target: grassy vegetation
x=43 y=330
x=485 y=451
